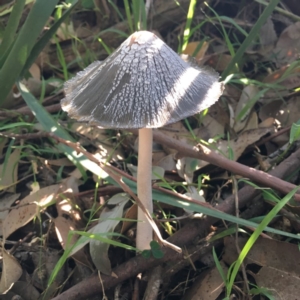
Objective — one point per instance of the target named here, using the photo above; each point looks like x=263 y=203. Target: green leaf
x=32 y=28
x=146 y=253
x=154 y=245
x=295 y=132
x=128 y=15
x=156 y=250
x=262 y=226
x=189 y=19
x=14 y=125
x=43 y=41
x=218 y=265
x=88 y=4
x=158 y=254
x=248 y=40
x=50 y=125
x=186 y=204
x=11 y=27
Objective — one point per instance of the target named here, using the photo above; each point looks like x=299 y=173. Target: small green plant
x=187 y=30
x=20 y=49
x=155 y=251
x=295 y=132
x=234 y=268
x=255 y=291
x=248 y=40
x=136 y=15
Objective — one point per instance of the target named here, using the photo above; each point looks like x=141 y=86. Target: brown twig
x=25 y=136
x=101 y=191
x=27 y=111
x=204 y=153
x=273 y=136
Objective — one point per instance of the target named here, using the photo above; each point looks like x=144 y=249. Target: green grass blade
x=7 y=8
x=61 y=59
x=50 y=125
x=281 y=11
x=136 y=14
x=250 y=104
x=218 y=265
x=42 y=42
x=15 y=125
x=12 y=67
x=143 y=16
x=262 y=226
x=12 y=26
x=252 y=34
x=187 y=29
x=233 y=22
x=106 y=47
x=100 y=237
x=224 y=32
x=128 y=15
x=173 y=201
x=116 y=9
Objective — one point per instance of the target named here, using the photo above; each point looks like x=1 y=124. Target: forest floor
x=224 y=180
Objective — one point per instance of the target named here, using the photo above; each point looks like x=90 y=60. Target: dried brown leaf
x=9 y=172
x=62 y=228
x=192 y=46
x=208 y=286
x=26 y=290
x=11 y=271
x=284 y=113
x=219 y=61
x=5 y=202
x=106 y=149
x=28 y=208
x=248 y=93
x=279 y=273
x=288 y=45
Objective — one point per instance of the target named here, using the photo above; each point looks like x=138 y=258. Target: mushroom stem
x=144 y=188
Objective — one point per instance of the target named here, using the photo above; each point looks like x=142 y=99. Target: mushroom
x=144 y=84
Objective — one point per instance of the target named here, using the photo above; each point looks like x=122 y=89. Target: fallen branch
x=27 y=111
x=204 y=153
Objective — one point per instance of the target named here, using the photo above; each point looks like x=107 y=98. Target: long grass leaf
x=281 y=11
x=128 y=15
x=43 y=41
x=187 y=29
x=248 y=40
x=7 y=8
x=116 y=9
x=12 y=67
x=250 y=104
x=186 y=204
x=11 y=27
x=269 y=217
x=224 y=32
x=50 y=125
x=143 y=16
x=136 y=14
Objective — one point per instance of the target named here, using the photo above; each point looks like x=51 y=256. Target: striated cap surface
x=143 y=84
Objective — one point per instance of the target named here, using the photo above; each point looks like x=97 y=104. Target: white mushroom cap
x=143 y=84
